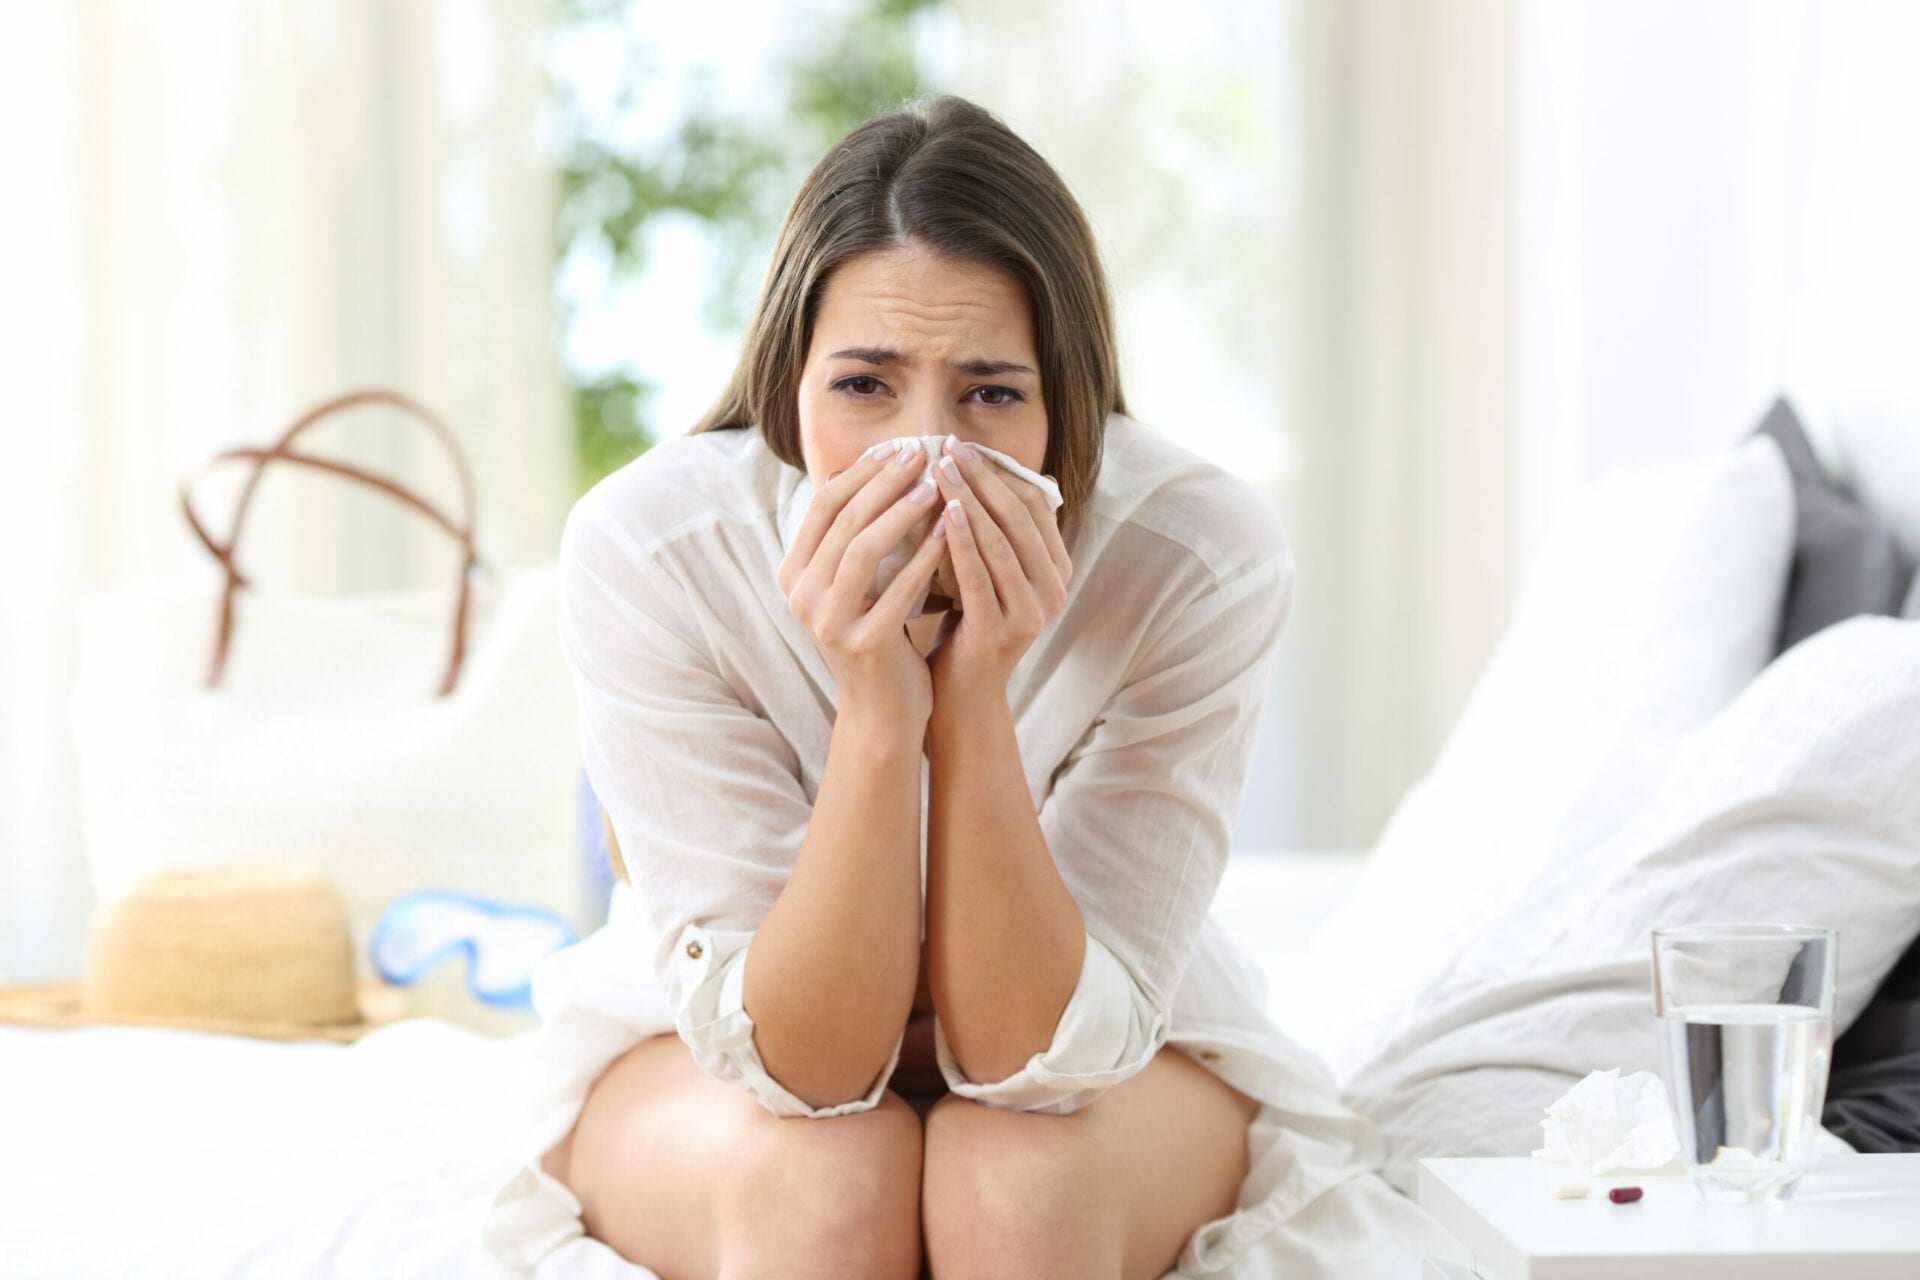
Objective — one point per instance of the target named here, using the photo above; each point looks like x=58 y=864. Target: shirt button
x=1211 y=1055
x=695 y=950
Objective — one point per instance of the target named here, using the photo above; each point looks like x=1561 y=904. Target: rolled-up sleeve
x=704 y=794
x=1140 y=820
x=712 y=1019
x=1106 y=1033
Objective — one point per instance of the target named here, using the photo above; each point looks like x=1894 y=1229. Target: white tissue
x=1608 y=1122
x=892 y=562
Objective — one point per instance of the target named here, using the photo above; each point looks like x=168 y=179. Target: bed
x=131 y=1152
x=148 y=1152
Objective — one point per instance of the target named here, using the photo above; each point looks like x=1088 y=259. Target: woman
x=925 y=980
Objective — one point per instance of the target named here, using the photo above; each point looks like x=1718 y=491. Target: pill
x=1570 y=1191
x=1624 y=1195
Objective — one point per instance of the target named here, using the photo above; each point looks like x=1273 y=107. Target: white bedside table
x=1855 y=1216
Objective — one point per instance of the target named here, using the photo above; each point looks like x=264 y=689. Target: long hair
x=947 y=175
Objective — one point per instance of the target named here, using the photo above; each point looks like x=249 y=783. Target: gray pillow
x=1873 y=1093
x=1845 y=562
x=1873 y=1090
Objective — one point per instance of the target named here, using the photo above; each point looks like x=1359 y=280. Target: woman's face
x=911 y=344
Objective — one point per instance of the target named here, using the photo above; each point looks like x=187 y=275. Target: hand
x=853 y=520
x=1010 y=563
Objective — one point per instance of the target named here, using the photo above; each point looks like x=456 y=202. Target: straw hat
x=257 y=951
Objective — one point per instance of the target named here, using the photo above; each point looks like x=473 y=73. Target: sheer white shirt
x=707 y=710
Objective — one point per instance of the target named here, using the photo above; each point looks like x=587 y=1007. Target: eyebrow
x=886 y=355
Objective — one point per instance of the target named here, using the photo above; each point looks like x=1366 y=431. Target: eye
x=845 y=383
x=1007 y=396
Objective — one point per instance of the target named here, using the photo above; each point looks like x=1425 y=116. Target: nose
x=935 y=416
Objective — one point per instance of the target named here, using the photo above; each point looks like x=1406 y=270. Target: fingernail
x=836 y=475
x=939 y=527
x=951 y=470
x=964 y=450
x=908 y=454
x=882 y=449
x=957 y=513
x=922 y=491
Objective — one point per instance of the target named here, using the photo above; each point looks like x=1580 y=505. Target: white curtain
x=217 y=214
x=1720 y=203
x=1401 y=349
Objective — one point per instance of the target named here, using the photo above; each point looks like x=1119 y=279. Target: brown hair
x=947 y=174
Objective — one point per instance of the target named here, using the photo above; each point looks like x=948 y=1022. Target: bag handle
x=282 y=451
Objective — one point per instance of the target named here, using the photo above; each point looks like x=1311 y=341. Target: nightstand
x=1855 y=1216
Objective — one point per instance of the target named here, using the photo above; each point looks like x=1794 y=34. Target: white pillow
x=1655 y=601
x=1798 y=804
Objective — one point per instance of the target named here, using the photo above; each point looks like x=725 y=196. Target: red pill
x=1624 y=1195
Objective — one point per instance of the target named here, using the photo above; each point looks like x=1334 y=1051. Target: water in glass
x=1747 y=1082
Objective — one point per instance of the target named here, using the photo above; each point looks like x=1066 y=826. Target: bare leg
x=1111 y=1192
x=693 y=1178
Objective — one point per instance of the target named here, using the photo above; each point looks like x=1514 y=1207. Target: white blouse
x=706 y=714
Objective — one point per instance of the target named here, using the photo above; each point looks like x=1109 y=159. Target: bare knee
x=1007 y=1193
x=691 y=1176
x=836 y=1197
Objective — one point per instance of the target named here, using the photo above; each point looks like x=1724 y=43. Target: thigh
x=675 y=1169
x=1140 y=1167
x=1176 y=1142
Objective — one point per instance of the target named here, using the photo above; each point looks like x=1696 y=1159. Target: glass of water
x=1746 y=1032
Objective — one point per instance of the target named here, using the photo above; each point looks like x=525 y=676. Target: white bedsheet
x=145 y=1152
x=135 y=1152
x=132 y=1152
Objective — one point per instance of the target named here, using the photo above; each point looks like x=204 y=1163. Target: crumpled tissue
x=896 y=559
x=1609 y=1121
